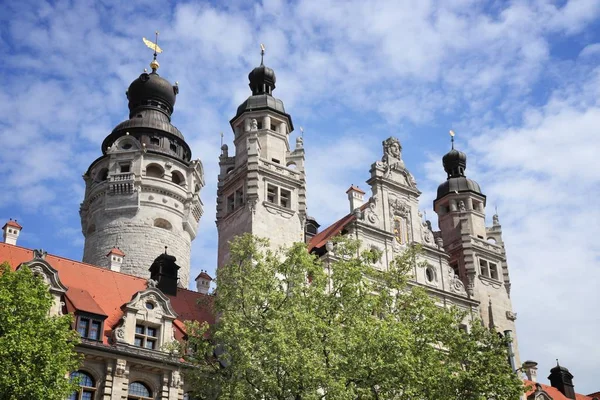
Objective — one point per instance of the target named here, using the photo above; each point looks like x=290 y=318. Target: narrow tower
x=261 y=188
x=476 y=251
x=143 y=193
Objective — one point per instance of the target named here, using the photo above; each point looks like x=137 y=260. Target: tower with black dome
x=261 y=186
x=143 y=193
x=476 y=252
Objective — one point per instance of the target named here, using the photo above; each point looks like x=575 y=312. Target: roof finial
x=262 y=53
x=154 y=46
x=557 y=364
x=165 y=249
x=452 y=138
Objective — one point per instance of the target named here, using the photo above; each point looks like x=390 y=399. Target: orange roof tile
x=355 y=188
x=12 y=223
x=116 y=251
x=321 y=238
x=553 y=392
x=109 y=290
x=204 y=275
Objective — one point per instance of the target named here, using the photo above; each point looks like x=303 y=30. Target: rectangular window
x=272 y=194
x=276 y=161
x=239 y=197
x=155 y=141
x=493 y=271
x=284 y=196
x=454 y=266
x=259 y=124
x=230 y=203
x=274 y=127
x=484 y=268
x=146 y=337
x=94 y=333
x=125 y=168
x=82 y=327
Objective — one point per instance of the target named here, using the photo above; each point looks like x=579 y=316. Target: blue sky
x=519 y=81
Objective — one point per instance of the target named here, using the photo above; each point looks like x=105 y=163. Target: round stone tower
x=143 y=193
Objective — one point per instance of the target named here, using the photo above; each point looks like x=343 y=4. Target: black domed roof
x=149 y=90
x=260 y=77
x=458 y=184
x=455 y=163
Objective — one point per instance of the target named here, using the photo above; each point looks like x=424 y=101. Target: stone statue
x=461 y=206
x=299 y=142
x=495 y=219
x=151 y=283
x=253 y=125
x=392 y=154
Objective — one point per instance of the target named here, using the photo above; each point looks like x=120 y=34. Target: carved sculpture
x=151 y=283
x=461 y=206
x=121 y=368
x=39 y=254
x=495 y=219
x=511 y=316
x=176 y=379
x=253 y=125
x=456 y=285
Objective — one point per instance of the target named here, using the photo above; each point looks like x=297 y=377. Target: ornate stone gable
x=392 y=166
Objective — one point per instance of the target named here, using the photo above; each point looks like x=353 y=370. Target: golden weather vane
x=154 y=46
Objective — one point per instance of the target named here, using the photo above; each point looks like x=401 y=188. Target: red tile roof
x=103 y=291
x=12 y=223
x=116 y=251
x=204 y=275
x=553 y=392
x=321 y=238
x=355 y=188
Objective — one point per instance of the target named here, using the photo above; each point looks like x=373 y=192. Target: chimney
x=203 y=281
x=355 y=197
x=311 y=228
x=11 y=231
x=115 y=257
x=561 y=378
x=164 y=272
x=530 y=369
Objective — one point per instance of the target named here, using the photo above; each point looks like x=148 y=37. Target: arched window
x=87 y=386
x=138 y=390
x=177 y=178
x=102 y=175
x=154 y=171
x=163 y=223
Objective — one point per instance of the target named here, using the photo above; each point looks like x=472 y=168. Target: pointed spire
x=452 y=138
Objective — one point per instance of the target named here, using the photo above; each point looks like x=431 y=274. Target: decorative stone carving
x=495 y=220
x=121 y=369
x=168 y=165
x=456 y=285
x=299 y=142
x=461 y=206
x=399 y=207
x=39 y=254
x=252 y=205
x=371 y=212
x=119 y=332
x=176 y=379
x=511 y=316
x=427 y=233
x=151 y=283
x=253 y=125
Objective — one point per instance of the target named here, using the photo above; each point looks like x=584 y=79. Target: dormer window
x=146 y=337
x=89 y=327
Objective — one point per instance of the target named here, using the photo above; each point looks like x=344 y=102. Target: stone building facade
x=143 y=194
x=142 y=208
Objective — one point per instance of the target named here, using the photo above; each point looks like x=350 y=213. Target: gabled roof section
x=321 y=238
x=100 y=289
x=553 y=392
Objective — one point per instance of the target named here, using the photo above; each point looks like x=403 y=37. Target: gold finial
x=452 y=138
x=262 y=53
x=154 y=46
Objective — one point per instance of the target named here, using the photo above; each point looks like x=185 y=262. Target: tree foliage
x=36 y=349
x=292 y=327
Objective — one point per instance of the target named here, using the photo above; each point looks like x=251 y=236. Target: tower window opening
x=230 y=203
x=102 y=175
x=272 y=194
x=454 y=267
x=489 y=269
x=155 y=141
x=154 y=171
x=173 y=147
x=276 y=161
x=274 y=127
x=429 y=274
x=285 y=196
x=163 y=224
x=259 y=125
x=177 y=178
x=493 y=271
x=483 y=265
x=125 y=168
x=239 y=198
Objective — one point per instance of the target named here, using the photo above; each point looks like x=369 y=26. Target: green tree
x=36 y=349
x=292 y=327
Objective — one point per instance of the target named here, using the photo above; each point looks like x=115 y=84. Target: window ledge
x=495 y=283
x=279 y=210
